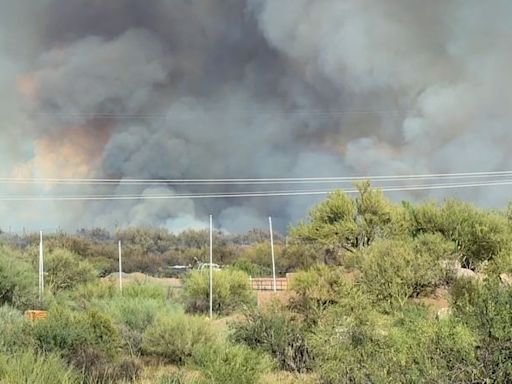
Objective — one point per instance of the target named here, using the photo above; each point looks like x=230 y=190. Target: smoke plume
x=256 y=88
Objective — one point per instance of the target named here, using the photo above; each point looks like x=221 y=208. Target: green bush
x=85 y=293
x=67 y=331
x=231 y=291
x=394 y=270
x=424 y=350
x=367 y=347
x=486 y=308
x=174 y=337
x=302 y=255
x=230 y=364
x=252 y=269
x=65 y=270
x=258 y=255
x=319 y=288
x=173 y=378
x=277 y=333
x=479 y=235
x=133 y=315
x=23 y=368
x=146 y=290
x=88 y=340
x=18 y=280
x=15 y=331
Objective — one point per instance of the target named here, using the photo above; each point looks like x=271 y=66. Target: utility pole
x=211 y=266
x=120 y=268
x=273 y=255
x=41 y=266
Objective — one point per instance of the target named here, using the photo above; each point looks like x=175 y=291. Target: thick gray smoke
x=232 y=88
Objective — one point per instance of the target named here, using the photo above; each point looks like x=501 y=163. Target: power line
x=247 y=181
x=191 y=115
x=251 y=194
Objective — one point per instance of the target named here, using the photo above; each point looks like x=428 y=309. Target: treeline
x=152 y=250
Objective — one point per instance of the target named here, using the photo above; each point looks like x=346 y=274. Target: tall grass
x=134 y=314
x=27 y=367
x=15 y=332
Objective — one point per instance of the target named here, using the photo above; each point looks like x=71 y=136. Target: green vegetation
x=64 y=270
x=175 y=337
x=30 y=368
x=381 y=293
x=278 y=333
x=231 y=291
x=17 y=278
x=230 y=364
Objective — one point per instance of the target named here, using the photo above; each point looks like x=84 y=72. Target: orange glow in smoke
x=28 y=86
x=70 y=153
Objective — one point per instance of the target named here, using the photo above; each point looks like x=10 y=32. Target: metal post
x=120 y=268
x=41 y=266
x=273 y=255
x=211 y=266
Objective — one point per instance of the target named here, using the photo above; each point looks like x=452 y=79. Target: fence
x=266 y=284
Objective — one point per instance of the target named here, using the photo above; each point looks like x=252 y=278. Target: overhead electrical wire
x=251 y=194
x=239 y=112
x=249 y=181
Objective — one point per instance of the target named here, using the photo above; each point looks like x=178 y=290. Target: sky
x=192 y=89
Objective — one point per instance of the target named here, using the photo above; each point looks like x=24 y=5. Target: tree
x=479 y=235
x=341 y=223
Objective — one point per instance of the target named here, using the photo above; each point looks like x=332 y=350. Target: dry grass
x=438 y=300
x=270 y=298
x=289 y=378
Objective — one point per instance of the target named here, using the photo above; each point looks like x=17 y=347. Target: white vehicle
x=206 y=266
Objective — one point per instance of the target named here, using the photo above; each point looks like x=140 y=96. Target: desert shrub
x=394 y=270
x=357 y=339
x=231 y=291
x=173 y=378
x=277 y=333
x=486 y=307
x=223 y=363
x=108 y=289
x=88 y=340
x=301 y=255
x=423 y=350
x=18 y=279
x=252 y=269
x=134 y=315
x=136 y=260
x=181 y=377
x=65 y=270
x=319 y=288
x=146 y=290
x=479 y=235
x=174 y=337
x=98 y=368
x=501 y=263
x=367 y=347
x=27 y=367
x=15 y=331
x=259 y=254
x=85 y=293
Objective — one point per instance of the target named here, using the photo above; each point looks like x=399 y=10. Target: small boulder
x=506 y=279
x=465 y=273
x=443 y=313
